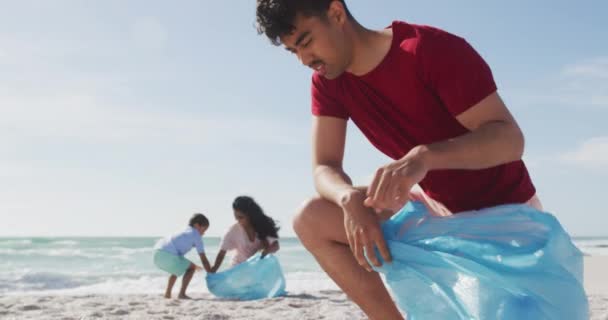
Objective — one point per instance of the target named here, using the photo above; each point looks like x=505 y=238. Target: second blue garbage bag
x=505 y=262
x=256 y=278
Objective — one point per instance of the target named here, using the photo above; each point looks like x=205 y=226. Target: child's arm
x=205 y=262
x=218 y=260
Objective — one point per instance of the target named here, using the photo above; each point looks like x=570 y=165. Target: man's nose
x=305 y=58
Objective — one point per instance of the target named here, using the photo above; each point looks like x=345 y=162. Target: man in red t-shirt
x=423 y=97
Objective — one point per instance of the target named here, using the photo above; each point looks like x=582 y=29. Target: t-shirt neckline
x=386 y=57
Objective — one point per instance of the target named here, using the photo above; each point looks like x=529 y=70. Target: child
x=170 y=251
x=254 y=231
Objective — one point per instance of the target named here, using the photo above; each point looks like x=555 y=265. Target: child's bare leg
x=170 y=284
x=185 y=281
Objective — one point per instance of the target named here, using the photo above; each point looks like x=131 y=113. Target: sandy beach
x=596 y=285
x=320 y=305
x=325 y=304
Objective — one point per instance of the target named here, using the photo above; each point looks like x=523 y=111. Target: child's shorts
x=175 y=265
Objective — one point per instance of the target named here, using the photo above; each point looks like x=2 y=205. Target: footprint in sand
x=158 y=312
x=249 y=307
x=119 y=312
x=92 y=304
x=330 y=292
x=215 y=317
x=337 y=301
x=304 y=296
x=30 y=307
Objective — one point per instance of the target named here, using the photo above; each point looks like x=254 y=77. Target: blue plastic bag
x=506 y=262
x=253 y=279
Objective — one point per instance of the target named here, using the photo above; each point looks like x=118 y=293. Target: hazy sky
x=122 y=118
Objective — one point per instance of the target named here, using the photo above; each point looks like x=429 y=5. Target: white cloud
x=579 y=85
x=592 y=153
x=584 y=83
x=87 y=117
x=43 y=52
x=38 y=99
x=593 y=68
x=45 y=93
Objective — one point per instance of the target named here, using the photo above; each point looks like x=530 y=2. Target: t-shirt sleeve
x=229 y=240
x=198 y=243
x=457 y=74
x=323 y=100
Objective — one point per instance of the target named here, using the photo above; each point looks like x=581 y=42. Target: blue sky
x=122 y=118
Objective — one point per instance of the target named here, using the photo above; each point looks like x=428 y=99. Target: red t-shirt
x=412 y=97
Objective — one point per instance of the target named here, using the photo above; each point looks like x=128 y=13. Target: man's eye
x=307 y=43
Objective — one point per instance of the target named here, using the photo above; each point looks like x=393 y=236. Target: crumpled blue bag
x=253 y=279
x=506 y=262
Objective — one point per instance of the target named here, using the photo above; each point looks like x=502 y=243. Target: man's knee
x=309 y=215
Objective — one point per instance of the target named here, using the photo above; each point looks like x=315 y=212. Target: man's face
x=320 y=43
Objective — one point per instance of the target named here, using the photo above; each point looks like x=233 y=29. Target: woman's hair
x=263 y=225
x=199 y=218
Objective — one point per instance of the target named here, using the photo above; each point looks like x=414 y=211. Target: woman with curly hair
x=254 y=231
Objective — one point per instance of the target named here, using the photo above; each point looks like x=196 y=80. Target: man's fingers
x=359 y=255
x=372 y=187
x=383 y=248
x=398 y=189
x=380 y=196
x=401 y=195
x=371 y=254
x=391 y=195
x=351 y=242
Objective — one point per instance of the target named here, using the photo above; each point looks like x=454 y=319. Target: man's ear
x=336 y=12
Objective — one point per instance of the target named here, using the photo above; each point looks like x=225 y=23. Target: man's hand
x=392 y=183
x=363 y=231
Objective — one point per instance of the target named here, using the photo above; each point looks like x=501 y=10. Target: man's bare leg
x=170 y=284
x=320 y=227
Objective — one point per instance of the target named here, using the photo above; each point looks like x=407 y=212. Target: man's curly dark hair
x=275 y=17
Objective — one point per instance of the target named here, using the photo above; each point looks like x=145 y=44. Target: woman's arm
x=218 y=260
x=268 y=249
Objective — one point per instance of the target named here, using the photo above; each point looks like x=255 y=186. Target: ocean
x=124 y=265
